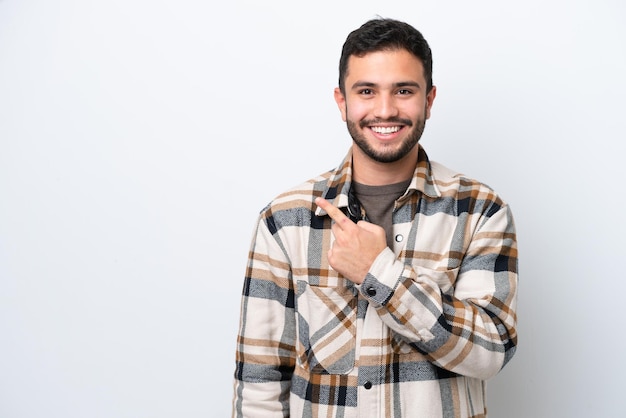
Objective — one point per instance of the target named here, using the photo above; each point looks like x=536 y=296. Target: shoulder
x=452 y=183
x=298 y=197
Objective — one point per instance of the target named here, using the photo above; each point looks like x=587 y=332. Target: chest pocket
x=326 y=327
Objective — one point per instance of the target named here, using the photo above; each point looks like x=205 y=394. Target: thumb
x=370 y=227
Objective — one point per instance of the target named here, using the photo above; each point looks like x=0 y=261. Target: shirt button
x=399 y=238
x=367 y=385
x=371 y=291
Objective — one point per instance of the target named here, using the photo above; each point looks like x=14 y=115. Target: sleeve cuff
x=382 y=278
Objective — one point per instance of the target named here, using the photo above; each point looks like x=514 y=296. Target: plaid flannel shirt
x=433 y=319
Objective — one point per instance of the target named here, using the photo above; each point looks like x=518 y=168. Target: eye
x=405 y=92
x=365 y=92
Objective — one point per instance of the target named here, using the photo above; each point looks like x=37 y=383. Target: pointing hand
x=356 y=245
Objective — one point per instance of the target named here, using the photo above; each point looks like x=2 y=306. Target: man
x=386 y=287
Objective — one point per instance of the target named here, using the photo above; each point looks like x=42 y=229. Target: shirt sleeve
x=463 y=319
x=265 y=355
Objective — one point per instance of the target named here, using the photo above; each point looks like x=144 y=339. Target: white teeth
x=385 y=129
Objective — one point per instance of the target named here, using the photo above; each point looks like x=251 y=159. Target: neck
x=374 y=173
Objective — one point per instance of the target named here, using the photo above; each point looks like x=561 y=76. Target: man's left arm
x=469 y=329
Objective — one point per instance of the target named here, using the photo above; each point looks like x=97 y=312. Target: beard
x=387 y=155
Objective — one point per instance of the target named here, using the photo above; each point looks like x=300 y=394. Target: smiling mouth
x=385 y=130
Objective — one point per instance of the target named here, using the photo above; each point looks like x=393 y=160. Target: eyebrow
x=399 y=84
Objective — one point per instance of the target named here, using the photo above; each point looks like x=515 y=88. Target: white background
x=139 y=139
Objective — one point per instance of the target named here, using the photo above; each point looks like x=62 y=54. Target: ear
x=341 y=103
x=430 y=98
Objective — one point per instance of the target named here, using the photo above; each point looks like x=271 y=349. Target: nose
x=385 y=107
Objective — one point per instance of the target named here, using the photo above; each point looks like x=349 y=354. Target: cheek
x=355 y=112
x=416 y=111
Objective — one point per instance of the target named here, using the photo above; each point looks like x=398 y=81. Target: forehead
x=383 y=65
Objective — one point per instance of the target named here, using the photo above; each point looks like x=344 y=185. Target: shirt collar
x=340 y=179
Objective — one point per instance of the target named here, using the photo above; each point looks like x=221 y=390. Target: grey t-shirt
x=378 y=203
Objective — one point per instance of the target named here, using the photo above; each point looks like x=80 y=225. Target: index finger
x=334 y=212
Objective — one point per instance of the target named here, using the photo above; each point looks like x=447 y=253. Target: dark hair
x=385 y=34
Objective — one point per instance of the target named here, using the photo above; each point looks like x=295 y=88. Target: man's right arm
x=266 y=341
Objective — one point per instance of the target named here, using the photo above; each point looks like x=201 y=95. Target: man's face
x=385 y=105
